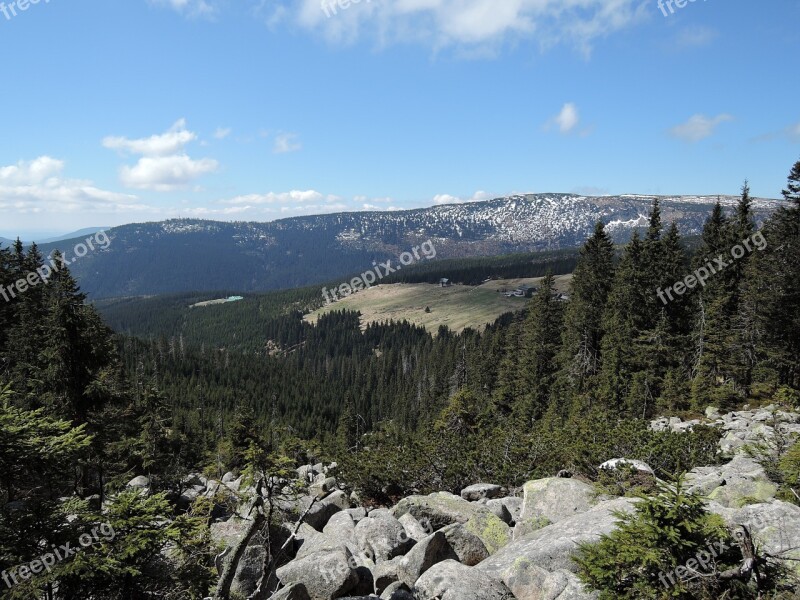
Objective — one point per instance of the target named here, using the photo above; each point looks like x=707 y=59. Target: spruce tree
x=772 y=292
x=579 y=357
x=624 y=321
x=792 y=191
x=540 y=344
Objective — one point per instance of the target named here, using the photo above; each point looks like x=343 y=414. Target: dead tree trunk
x=226 y=578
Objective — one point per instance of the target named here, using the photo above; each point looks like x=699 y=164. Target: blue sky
x=117 y=112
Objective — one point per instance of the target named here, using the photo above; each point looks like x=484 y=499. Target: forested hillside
x=560 y=386
x=189 y=255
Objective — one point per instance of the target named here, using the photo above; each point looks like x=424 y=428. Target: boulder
x=479 y=491
x=340 y=525
x=450 y=580
x=325 y=575
x=322 y=542
x=442 y=509
x=323 y=510
x=775 y=526
x=499 y=510
x=552 y=547
x=397 y=591
x=413 y=528
x=512 y=503
x=739 y=482
x=530 y=582
x=637 y=465
x=236 y=484
x=386 y=573
x=357 y=513
x=468 y=547
x=382 y=538
x=433 y=549
x=306 y=473
x=248 y=571
x=321 y=488
x=227 y=534
x=552 y=500
x=141 y=482
x=491 y=530
x=295 y=591
x=438 y=509
x=193 y=480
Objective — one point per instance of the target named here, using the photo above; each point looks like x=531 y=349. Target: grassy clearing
x=457 y=307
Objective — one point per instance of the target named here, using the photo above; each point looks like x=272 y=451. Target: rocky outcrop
x=740 y=428
x=442 y=509
x=447 y=547
x=450 y=580
x=734 y=484
x=325 y=575
x=552 y=500
x=553 y=546
x=479 y=491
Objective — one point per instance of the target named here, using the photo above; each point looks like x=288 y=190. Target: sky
x=255 y=110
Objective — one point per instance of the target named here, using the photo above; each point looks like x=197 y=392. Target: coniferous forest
x=560 y=387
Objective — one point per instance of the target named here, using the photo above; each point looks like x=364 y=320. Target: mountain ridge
x=199 y=255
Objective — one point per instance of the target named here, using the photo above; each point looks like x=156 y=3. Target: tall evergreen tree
x=579 y=358
x=772 y=292
x=624 y=321
x=540 y=344
x=792 y=191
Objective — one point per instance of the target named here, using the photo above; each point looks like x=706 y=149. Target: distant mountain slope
x=194 y=255
x=68 y=236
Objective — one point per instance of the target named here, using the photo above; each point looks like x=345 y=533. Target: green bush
x=640 y=559
x=787 y=396
x=790 y=474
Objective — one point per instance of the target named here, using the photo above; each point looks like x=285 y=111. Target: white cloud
x=192 y=8
x=698 y=127
x=442 y=23
x=286 y=142
x=790 y=133
x=171 y=142
x=282 y=197
x=39 y=186
x=449 y=199
x=31 y=172
x=222 y=132
x=567 y=119
x=165 y=166
x=166 y=173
